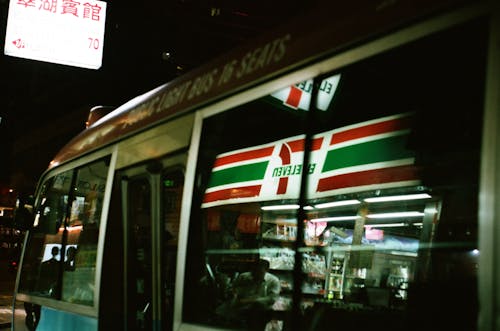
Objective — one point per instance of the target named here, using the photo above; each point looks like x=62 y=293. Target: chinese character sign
x=67 y=32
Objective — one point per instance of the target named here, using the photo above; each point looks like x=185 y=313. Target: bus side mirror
x=23 y=214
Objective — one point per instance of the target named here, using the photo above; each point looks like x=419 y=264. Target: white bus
x=355 y=150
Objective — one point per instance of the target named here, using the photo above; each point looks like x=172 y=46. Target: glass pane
x=172 y=185
x=238 y=170
x=392 y=200
x=390 y=226
x=61 y=251
x=41 y=269
x=139 y=250
x=83 y=234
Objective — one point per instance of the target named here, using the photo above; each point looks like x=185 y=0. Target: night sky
x=138 y=37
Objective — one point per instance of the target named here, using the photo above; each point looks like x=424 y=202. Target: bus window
x=83 y=233
x=60 y=257
x=172 y=183
x=389 y=211
x=45 y=239
x=140 y=260
x=393 y=203
x=236 y=148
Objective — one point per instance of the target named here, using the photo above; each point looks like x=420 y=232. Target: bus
x=336 y=173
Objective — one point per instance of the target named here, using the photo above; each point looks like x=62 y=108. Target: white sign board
x=69 y=32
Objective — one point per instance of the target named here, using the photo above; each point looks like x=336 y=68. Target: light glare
x=280 y=207
x=337 y=203
x=335 y=218
x=397 y=214
x=385 y=225
x=399 y=197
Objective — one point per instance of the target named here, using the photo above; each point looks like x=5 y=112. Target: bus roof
x=323 y=30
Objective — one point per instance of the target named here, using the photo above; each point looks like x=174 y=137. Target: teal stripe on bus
x=238 y=174
x=380 y=150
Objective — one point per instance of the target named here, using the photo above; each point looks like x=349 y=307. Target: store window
x=61 y=249
x=385 y=222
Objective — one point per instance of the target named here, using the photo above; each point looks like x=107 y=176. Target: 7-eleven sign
x=299 y=96
x=368 y=155
x=257 y=173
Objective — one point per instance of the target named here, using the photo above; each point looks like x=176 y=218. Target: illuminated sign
x=298 y=96
x=341 y=161
x=59 y=31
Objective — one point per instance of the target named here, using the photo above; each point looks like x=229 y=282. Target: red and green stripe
x=232 y=193
x=379 y=150
x=368 y=177
x=370 y=128
x=238 y=174
x=223 y=160
x=369 y=153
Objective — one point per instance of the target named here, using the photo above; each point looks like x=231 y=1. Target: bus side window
x=66 y=220
x=83 y=233
x=40 y=271
x=393 y=168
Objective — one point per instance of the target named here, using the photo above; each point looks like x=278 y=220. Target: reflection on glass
x=298 y=96
x=390 y=211
x=61 y=251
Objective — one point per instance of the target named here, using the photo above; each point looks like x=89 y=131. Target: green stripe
x=380 y=150
x=243 y=173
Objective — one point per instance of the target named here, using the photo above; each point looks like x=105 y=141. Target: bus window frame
x=90 y=311
x=332 y=63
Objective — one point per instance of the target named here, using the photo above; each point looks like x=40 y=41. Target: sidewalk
x=6 y=296
x=5 y=317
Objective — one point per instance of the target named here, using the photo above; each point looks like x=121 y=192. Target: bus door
x=151 y=200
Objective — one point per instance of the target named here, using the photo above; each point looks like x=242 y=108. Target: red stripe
x=231 y=193
x=298 y=145
x=282 y=185
x=244 y=156
x=285 y=154
x=316 y=144
x=371 y=129
x=293 y=99
x=368 y=177
x=295 y=146
x=285 y=159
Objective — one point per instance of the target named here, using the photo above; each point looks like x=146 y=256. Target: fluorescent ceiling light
x=280 y=207
x=335 y=218
x=397 y=214
x=337 y=203
x=399 y=197
x=385 y=225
